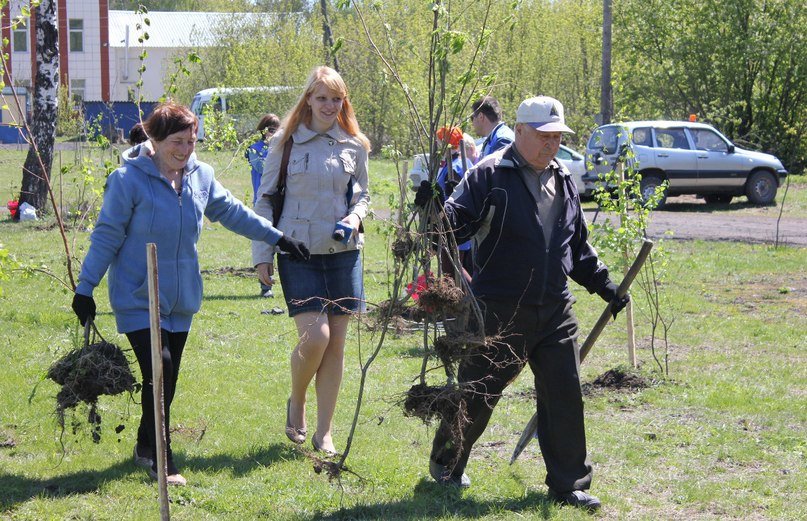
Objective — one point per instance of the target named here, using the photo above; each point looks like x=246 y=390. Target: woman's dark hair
x=169 y=118
x=269 y=124
x=137 y=135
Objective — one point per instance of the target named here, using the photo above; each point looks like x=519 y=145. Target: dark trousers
x=545 y=337
x=172 y=346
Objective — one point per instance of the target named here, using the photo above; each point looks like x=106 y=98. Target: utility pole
x=327 y=37
x=606 y=94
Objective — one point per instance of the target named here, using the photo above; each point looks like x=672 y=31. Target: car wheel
x=648 y=187
x=761 y=187
x=718 y=198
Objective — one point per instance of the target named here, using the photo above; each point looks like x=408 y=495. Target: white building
x=99 y=55
x=99 y=49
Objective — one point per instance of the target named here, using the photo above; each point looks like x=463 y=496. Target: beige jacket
x=324 y=169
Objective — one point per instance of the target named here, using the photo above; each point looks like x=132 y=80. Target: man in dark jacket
x=523 y=209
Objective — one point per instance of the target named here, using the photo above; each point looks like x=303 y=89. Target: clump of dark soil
x=618 y=379
x=450 y=348
x=395 y=316
x=433 y=402
x=85 y=374
x=445 y=403
x=403 y=245
x=442 y=296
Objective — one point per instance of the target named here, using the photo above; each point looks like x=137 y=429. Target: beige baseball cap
x=542 y=113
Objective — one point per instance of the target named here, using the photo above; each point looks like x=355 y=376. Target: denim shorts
x=329 y=283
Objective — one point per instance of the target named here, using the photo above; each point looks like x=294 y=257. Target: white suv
x=693 y=157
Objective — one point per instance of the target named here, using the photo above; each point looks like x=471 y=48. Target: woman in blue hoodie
x=161 y=195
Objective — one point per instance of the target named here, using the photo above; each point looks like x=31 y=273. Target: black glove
x=427 y=192
x=608 y=294
x=297 y=249
x=84 y=307
x=450 y=186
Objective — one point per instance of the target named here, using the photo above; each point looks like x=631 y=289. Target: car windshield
x=564 y=154
x=604 y=139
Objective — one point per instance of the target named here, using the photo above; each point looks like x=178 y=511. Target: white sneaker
x=268 y=293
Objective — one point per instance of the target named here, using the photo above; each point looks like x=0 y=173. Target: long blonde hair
x=301 y=113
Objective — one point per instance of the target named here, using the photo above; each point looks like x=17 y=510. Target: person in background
x=161 y=195
x=452 y=137
x=532 y=237
x=486 y=120
x=326 y=200
x=471 y=152
x=137 y=135
x=255 y=155
x=257 y=151
x=448 y=178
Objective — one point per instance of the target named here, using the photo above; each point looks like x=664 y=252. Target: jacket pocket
x=188 y=296
x=299 y=164
x=348 y=159
x=297 y=228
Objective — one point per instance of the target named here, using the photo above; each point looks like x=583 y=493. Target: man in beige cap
x=522 y=208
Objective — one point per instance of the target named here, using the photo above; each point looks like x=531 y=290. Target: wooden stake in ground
x=157 y=377
x=629 y=307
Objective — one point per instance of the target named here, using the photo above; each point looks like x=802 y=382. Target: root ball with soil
x=86 y=373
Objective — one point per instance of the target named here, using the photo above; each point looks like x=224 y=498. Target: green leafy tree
x=736 y=64
x=253 y=52
x=69 y=115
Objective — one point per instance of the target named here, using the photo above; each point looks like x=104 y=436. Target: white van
x=244 y=105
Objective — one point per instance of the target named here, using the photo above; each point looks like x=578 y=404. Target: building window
x=20 y=40
x=77 y=88
x=76 y=35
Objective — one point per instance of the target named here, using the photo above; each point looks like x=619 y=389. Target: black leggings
x=172 y=346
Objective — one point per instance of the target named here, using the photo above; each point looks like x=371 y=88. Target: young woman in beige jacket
x=326 y=192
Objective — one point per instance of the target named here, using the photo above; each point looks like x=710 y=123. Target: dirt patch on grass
x=247 y=273
x=617 y=379
x=193 y=433
x=761 y=292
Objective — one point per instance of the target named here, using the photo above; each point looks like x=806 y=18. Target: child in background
x=256 y=154
x=258 y=151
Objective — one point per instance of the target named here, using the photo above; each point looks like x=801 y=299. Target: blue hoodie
x=255 y=155
x=140 y=207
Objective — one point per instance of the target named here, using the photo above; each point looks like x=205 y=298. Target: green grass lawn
x=721 y=438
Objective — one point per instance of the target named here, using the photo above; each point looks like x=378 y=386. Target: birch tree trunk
x=36 y=171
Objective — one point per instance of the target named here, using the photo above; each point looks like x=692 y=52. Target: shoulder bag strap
x=284 y=164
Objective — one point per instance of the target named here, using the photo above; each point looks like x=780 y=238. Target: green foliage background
x=738 y=65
